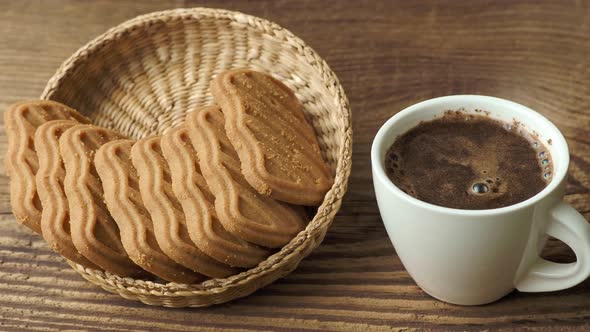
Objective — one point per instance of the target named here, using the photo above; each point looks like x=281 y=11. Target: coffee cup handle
x=569 y=226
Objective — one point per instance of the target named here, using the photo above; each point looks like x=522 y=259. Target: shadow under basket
x=141 y=78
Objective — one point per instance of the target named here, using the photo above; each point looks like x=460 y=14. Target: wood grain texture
x=388 y=55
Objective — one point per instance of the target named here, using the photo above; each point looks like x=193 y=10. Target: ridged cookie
x=242 y=211
x=277 y=147
x=155 y=186
x=197 y=202
x=55 y=221
x=21 y=163
x=121 y=193
x=94 y=232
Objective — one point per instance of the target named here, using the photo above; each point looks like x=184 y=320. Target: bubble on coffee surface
x=544 y=158
x=480 y=188
x=391 y=162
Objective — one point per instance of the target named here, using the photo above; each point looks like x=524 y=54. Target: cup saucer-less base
x=465 y=300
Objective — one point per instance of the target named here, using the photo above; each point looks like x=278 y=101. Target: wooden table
x=388 y=55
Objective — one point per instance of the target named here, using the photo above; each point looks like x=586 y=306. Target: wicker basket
x=142 y=76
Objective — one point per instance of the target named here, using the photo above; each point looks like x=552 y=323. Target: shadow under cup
x=468 y=257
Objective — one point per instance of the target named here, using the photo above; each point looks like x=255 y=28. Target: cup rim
x=380 y=175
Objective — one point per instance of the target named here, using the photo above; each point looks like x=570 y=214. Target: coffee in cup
x=469 y=161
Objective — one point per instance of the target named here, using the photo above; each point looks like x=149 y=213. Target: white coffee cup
x=472 y=257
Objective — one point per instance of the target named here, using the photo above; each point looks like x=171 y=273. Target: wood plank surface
x=388 y=55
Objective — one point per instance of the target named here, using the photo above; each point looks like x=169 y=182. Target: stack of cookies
x=211 y=197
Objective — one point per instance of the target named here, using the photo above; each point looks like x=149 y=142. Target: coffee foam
x=469 y=161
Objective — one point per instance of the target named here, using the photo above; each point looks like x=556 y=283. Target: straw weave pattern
x=143 y=76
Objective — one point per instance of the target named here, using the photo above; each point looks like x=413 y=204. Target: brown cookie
x=121 y=193
x=55 y=221
x=94 y=232
x=197 y=202
x=155 y=187
x=242 y=211
x=21 y=163
x=277 y=147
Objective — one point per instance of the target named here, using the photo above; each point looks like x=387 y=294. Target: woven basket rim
x=333 y=198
